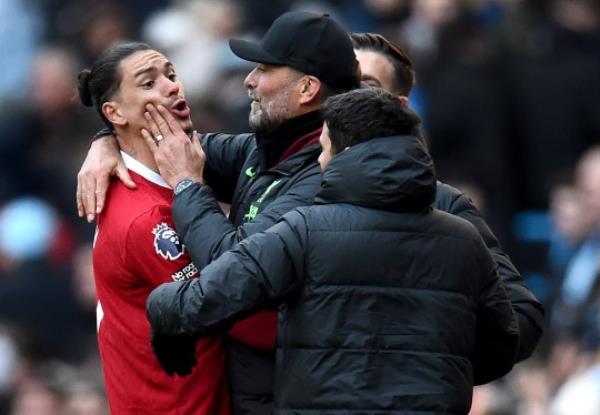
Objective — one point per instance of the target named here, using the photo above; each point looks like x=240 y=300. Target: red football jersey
x=135 y=250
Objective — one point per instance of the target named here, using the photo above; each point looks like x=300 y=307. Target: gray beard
x=261 y=123
x=272 y=115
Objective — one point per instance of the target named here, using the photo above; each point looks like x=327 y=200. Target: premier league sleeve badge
x=166 y=242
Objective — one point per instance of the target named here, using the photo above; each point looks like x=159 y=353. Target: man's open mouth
x=180 y=108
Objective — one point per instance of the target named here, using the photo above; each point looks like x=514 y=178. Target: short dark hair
x=404 y=73
x=99 y=84
x=364 y=114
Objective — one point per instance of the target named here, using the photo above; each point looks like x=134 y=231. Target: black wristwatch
x=182 y=185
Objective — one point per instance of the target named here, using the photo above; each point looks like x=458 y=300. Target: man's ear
x=310 y=86
x=112 y=112
x=403 y=99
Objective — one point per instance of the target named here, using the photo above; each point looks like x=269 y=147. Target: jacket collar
x=303 y=157
x=272 y=146
x=389 y=173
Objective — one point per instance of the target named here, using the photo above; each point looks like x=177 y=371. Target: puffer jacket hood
x=390 y=173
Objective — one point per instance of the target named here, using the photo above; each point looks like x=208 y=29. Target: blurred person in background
x=575 y=317
x=136 y=248
x=549 y=63
x=259 y=18
x=83 y=276
x=36 y=130
x=53 y=388
x=21 y=32
x=36 y=296
x=85 y=398
x=38 y=398
x=569 y=221
x=61 y=120
x=10 y=361
x=84 y=291
x=580 y=394
x=527 y=390
x=420 y=33
x=581 y=274
x=90 y=26
x=106 y=24
x=461 y=102
x=569 y=230
x=194 y=32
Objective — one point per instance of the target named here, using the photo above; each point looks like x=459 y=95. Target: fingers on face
x=170 y=120
x=152 y=125
x=159 y=124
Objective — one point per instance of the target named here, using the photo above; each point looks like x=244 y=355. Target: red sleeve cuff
x=258 y=331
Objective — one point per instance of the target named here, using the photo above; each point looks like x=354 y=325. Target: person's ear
x=310 y=87
x=113 y=114
x=403 y=99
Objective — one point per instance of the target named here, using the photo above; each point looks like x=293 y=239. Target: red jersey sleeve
x=153 y=248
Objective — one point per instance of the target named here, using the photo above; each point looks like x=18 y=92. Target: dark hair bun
x=83 y=86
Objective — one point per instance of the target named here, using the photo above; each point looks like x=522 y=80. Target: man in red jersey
x=136 y=249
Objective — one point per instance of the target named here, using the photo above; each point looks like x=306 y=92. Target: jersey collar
x=141 y=169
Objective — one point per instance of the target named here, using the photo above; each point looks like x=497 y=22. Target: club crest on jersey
x=166 y=242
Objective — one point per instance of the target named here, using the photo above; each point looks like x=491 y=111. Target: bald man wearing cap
x=303 y=59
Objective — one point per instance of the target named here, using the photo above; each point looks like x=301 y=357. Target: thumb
x=123 y=174
x=196 y=143
x=196 y=139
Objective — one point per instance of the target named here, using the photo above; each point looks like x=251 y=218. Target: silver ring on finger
x=158 y=138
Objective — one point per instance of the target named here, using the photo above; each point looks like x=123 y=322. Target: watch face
x=182 y=185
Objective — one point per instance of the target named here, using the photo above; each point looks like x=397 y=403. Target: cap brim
x=252 y=52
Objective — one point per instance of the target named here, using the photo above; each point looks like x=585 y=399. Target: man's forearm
x=201 y=224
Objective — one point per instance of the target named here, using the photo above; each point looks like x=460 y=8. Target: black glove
x=175 y=353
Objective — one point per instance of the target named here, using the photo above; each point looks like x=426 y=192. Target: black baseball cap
x=314 y=44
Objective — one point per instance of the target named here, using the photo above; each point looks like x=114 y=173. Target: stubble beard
x=264 y=118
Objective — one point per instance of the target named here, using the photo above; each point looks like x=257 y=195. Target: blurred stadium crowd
x=509 y=91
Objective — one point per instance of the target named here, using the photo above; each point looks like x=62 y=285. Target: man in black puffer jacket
x=386 y=302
